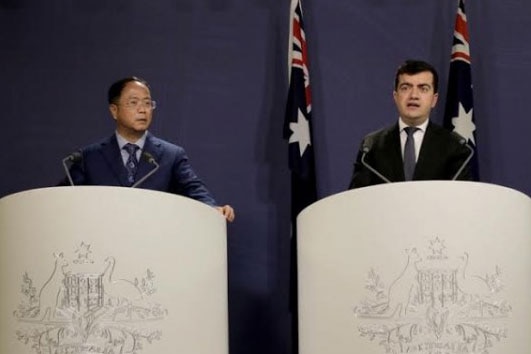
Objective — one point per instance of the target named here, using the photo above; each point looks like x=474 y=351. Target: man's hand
x=227 y=212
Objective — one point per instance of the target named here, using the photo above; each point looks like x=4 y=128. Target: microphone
x=74 y=157
x=463 y=142
x=150 y=159
x=366 y=150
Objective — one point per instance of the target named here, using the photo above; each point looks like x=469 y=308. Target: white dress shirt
x=418 y=136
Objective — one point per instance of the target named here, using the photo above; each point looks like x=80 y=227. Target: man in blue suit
x=124 y=158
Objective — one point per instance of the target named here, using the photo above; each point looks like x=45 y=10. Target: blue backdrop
x=218 y=72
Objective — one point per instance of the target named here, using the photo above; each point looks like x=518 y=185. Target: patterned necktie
x=132 y=163
x=409 y=153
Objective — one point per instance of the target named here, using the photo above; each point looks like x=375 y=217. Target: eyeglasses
x=136 y=104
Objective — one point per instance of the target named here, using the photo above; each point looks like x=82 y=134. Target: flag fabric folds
x=298 y=120
x=458 y=115
x=298 y=132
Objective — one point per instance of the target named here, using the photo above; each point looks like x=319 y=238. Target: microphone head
x=367 y=143
x=76 y=156
x=459 y=137
x=149 y=158
x=73 y=157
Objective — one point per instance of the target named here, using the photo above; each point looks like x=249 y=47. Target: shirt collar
x=422 y=127
x=122 y=141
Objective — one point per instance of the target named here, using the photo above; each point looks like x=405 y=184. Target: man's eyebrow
x=418 y=85
x=138 y=98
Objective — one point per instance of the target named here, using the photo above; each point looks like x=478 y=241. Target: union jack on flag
x=298 y=119
x=458 y=114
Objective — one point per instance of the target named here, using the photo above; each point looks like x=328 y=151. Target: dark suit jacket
x=102 y=164
x=441 y=156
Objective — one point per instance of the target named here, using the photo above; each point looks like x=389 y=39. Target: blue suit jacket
x=441 y=155
x=102 y=164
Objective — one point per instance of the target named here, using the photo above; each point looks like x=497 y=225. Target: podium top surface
x=446 y=190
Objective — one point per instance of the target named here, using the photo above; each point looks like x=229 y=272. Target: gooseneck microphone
x=463 y=142
x=149 y=158
x=73 y=158
x=366 y=150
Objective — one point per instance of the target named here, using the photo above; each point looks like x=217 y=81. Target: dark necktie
x=132 y=163
x=409 y=153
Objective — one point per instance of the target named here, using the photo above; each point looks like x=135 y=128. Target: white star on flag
x=464 y=125
x=301 y=132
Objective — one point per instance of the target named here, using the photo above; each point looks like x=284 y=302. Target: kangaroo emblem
x=50 y=293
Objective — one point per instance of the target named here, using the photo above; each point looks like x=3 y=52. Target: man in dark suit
x=123 y=159
x=414 y=148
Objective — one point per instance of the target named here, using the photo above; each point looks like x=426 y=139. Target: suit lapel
x=428 y=152
x=394 y=151
x=152 y=146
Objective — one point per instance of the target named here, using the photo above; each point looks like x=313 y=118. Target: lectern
x=416 y=267
x=111 y=270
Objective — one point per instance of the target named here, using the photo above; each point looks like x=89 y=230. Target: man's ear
x=434 y=101
x=114 y=110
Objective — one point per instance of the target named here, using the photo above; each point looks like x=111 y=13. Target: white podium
x=418 y=267
x=111 y=270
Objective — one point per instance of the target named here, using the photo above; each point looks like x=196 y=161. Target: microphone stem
x=464 y=163
x=67 y=171
x=372 y=169
x=149 y=174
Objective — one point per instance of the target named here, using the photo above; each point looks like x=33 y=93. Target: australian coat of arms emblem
x=86 y=307
x=434 y=304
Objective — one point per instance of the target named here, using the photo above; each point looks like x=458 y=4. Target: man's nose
x=415 y=92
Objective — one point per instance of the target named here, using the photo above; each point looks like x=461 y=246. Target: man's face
x=133 y=111
x=415 y=97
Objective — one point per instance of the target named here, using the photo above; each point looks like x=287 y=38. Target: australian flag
x=459 y=110
x=298 y=120
x=298 y=131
